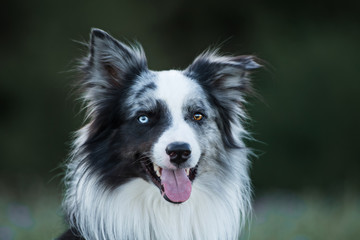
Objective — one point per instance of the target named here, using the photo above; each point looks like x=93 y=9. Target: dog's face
x=164 y=127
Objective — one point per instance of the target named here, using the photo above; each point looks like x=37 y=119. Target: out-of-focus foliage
x=31 y=213
x=305 y=216
x=307 y=121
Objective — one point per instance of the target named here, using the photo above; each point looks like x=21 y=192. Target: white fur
x=175 y=89
x=136 y=210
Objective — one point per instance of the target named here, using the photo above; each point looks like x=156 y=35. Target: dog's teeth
x=157 y=170
x=156 y=167
x=187 y=170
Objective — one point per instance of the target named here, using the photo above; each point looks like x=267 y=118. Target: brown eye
x=198 y=116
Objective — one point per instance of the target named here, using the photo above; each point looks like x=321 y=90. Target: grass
x=36 y=215
x=307 y=216
x=32 y=214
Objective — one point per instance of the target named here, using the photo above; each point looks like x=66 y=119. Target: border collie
x=162 y=153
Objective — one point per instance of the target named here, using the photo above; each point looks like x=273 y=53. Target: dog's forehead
x=171 y=87
x=175 y=88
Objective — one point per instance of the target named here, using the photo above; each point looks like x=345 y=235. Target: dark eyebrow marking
x=149 y=86
x=195 y=105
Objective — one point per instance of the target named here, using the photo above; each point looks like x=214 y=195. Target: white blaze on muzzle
x=174 y=89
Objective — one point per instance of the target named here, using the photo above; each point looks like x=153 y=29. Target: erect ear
x=223 y=73
x=226 y=80
x=111 y=62
x=108 y=68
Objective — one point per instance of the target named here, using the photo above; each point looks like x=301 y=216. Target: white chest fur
x=136 y=210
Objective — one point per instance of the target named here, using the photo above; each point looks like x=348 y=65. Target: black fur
x=212 y=76
x=115 y=149
x=70 y=234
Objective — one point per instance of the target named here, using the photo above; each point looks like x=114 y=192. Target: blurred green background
x=306 y=177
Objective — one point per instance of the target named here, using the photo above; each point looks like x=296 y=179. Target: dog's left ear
x=227 y=81
x=222 y=73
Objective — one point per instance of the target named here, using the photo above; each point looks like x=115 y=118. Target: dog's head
x=159 y=126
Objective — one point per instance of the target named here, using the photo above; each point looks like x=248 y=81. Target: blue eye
x=143 y=119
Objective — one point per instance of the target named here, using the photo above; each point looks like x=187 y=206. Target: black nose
x=179 y=152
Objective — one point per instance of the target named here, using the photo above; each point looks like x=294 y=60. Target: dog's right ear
x=108 y=68
x=111 y=62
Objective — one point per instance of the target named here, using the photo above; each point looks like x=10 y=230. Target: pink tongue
x=177 y=186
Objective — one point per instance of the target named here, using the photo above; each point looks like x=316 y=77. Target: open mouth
x=175 y=185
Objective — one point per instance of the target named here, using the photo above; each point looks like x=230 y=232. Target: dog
x=161 y=154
